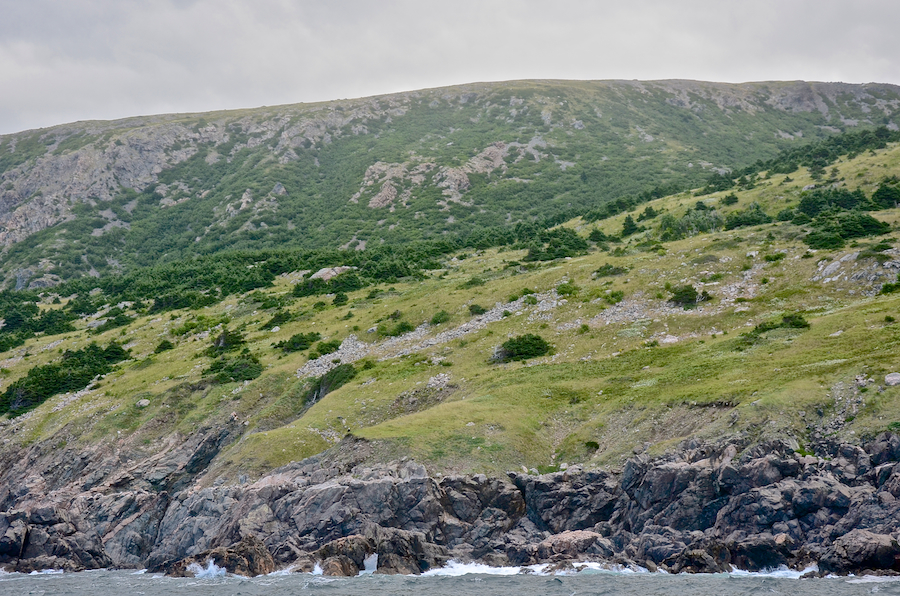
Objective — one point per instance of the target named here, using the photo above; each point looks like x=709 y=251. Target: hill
x=96 y=198
x=644 y=366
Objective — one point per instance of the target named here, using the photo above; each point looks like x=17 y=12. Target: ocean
x=454 y=580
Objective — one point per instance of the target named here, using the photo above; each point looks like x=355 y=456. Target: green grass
x=603 y=385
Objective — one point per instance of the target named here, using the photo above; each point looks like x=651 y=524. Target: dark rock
x=340 y=566
x=761 y=551
x=249 y=558
x=355 y=548
x=560 y=567
x=403 y=552
x=858 y=550
x=885 y=448
x=701 y=561
x=49 y=538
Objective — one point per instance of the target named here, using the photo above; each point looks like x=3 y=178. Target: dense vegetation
x=586 y=283
x=74 y=371
x=302 y=177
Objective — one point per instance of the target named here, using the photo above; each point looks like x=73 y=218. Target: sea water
x=453 y=580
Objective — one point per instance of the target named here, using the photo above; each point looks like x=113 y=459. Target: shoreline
x=701 y=509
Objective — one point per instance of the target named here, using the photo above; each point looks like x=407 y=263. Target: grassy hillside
x=102 y=197
x=629 y=370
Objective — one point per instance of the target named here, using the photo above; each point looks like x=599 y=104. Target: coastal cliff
x=702 y=508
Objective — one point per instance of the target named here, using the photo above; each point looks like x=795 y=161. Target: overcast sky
x=67 y=60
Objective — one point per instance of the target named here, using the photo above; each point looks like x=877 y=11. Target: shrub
x=477 y=309
x=752 y=216
x=730 y=199
x=298 y=342
x=243 y=367
x=629 y=227
x=614 y=297
x=891 y=287
x=820 y=240
x=531 y=300
x=227 y=341
x=648 y=213
x=789 y=321
x=687 y=296
x=334 y=379
x=340 y=299
x=523 y=347
x=442 y=316
x=279 y=318
x=786 y=215
x=395 y=330
x=886 y=197
x=328 y=347
x=695 y=221
x=597 y=235
x=775 y=257
x=607 y=270
x=472 y=282
x=73 y=372
x=567 y=289
x=163 y=346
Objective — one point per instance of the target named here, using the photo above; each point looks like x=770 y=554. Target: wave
x=455 y=569
x=211 y=570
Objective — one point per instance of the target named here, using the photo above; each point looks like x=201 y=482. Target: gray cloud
x=95 y=59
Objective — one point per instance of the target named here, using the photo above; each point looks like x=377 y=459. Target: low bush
x=442 y=316
x=242 y=367
x=523 y=347
x=688 y=297
x=298 y=342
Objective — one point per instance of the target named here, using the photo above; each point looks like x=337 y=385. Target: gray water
x=129 y=583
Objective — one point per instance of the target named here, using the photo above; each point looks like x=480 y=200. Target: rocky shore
x=703 y=508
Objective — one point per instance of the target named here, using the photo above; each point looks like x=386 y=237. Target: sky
x=68 y=60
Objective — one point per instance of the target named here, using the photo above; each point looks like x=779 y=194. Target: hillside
x=692 y=369
x=96 y=198
x=413 y=361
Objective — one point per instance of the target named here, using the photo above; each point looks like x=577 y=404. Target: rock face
x=703 y=508
x=249 y=558
x=49 y=538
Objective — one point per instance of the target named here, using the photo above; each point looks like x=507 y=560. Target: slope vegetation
x=764 y=310
x=94 y=198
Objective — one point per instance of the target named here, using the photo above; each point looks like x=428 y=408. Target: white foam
x=211 y=570
x=873 y=579
x=370 y=564
x=591 y=567
x=317 y=570
x=48 y=572
x=779 y=572
x=455 y=568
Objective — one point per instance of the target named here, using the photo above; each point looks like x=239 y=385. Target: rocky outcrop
x=249 y=558
x=702 y=508
x=49 y=538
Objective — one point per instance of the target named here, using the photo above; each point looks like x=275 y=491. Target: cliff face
x=374 y=169
x=704 y=508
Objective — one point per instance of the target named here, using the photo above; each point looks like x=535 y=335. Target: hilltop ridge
x=93 y=198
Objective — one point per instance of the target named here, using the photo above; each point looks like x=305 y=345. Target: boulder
x=761 y=551
x=858 y=550
x=404 y=552
x=353 y=548
x=700 y=560
x=249 y=558
x=340 y=566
